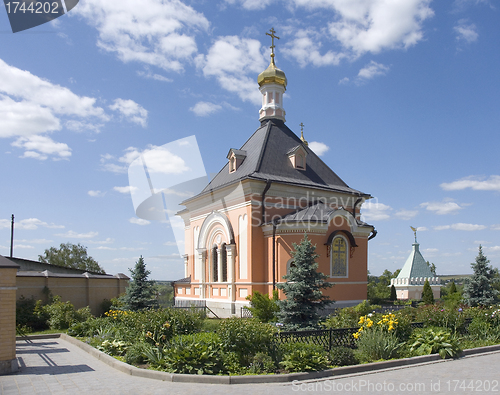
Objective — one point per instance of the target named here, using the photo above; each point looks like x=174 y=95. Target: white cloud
x=158 y=160
x=406 y=214
x=251 y=4
x=495 y=227
x=344 y=81
x=25 y=118
x=109 y=240
x=148 y=74
x=138 y=221
x=466 y=32
x=442 y=208
x=374 y=25
x=96 y=193
x=81 y=126
x=105 y=248
x=127 y=189
x=203 y=108
x=372 y=70
x=28 y=224
x=460 y=226
x=73 y=235
x=35 y=241
x=131 y=111
x=153 y=32
x=39 y=147
x=318 y=148
x=375 y=211
x=231 y=60
x=23 y=246
x=473 y=182
x=305 y=48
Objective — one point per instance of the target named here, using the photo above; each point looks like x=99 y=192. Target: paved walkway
x=54 y=366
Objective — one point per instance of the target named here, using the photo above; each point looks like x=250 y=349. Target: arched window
x=223 y=258
x=339 y=257
x=215 y=264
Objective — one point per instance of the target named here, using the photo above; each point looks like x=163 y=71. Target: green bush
x=136 y=353
x=246 y=338
x=432 y=341
x=62 y=314
x=342 y=356
x=303 y=357
x=347 y=317
x=115 y=347
x=376 y=343
x=262 y=363
x=263 y=307
x=199 y=353
x=29 y=314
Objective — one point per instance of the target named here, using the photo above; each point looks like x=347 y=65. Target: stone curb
x=281 y=378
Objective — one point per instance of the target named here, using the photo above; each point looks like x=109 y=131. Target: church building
x=240 y=230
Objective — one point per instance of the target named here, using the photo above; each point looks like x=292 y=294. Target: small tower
x=272 y=83
x=410 y=281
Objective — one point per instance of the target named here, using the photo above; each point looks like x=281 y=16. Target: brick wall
x=8 y=363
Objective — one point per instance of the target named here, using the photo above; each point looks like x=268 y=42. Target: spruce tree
x=453 y=288
x=479 y=290
x=393 y=296
x=427 y=295
x=304 y=299
x=139 y=295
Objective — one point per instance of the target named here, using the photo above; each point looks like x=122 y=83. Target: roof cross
x=273 y=36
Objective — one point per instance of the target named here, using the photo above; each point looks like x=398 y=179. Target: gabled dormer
x=297 y=156
x=236 y=158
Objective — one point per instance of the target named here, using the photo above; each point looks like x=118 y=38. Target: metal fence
x=329 y=338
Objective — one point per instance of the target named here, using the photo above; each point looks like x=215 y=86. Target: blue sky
x=400 y=98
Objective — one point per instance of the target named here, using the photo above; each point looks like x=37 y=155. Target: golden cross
x=272 y=42
x=301 y=127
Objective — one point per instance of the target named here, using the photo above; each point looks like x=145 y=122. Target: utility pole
x=12 y=237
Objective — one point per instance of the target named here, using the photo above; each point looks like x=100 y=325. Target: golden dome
x=272 y=75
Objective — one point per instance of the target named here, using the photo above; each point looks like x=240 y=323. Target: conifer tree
x=427 y=295
x=139 y=294
x=479 y=290
x=304 y=299
x=453 y=288
x=393 y=296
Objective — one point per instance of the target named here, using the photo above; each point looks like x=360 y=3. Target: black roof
x=267 y=160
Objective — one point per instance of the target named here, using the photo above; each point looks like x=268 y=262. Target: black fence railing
x=329 y=338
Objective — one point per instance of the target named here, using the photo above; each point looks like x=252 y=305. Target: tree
x=432 y=266
x=71 y=255
x=479 y=289
x=393 y=293
x=140 y=293
x=263 y=307
x=303 y=289
x=453 y=288
x=427 y=295
x=379 y=287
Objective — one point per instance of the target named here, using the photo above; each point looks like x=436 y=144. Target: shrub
x=262 y=363
x=376 y=343
x=263 y=307
x=115 y=347
x=432 y=342
x=136 y=353
x=342 y=356
x=62 y=314
x=427 y=295
x=303 y=357
x=29 y=316
x=246 y=337
x=347 y=317
x=199 y=353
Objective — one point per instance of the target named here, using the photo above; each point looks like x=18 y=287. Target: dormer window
x=236 y=158
x=298 y=157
